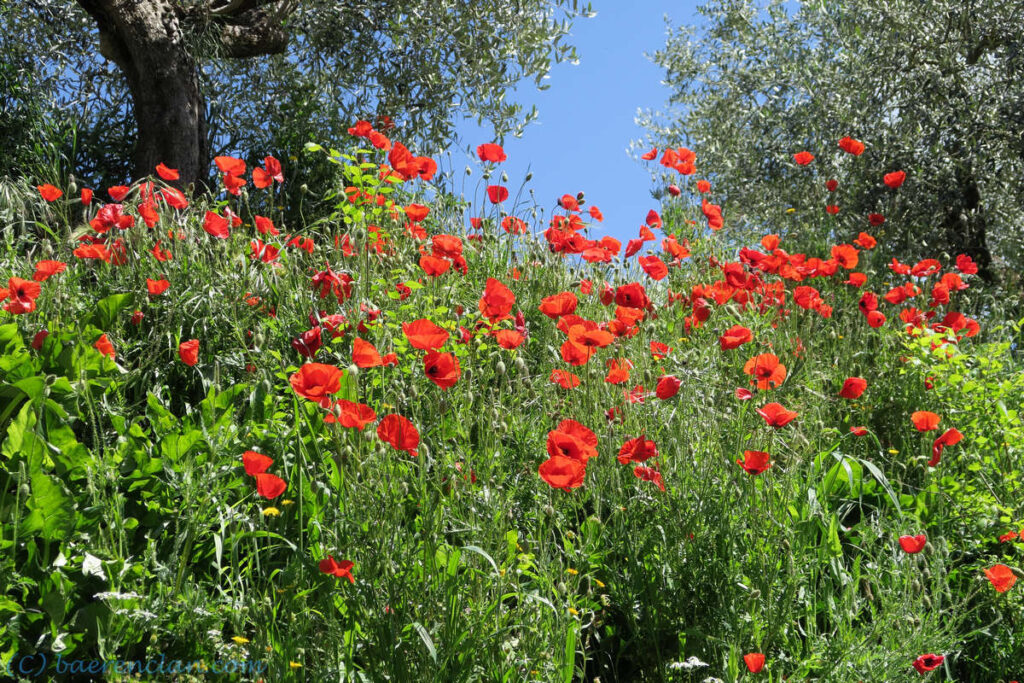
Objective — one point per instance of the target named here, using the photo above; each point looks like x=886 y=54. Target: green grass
x=122 y=478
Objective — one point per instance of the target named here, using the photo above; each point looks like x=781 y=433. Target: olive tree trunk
x=149 y=41
x=144 y=38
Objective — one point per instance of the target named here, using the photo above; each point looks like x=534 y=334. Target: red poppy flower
x=618 y=370
x=351 y=415
x=365 y=354
x=754 y=662
x=188 y=351
x=118 y=192
x=648 y=156
x=400 y=433
x=649 y=474
x=754 y=462
x=803 y=158
x=497 y=193
x=342 y=570
x=966 y=265
x=581 y=433
x=558 y=305
x=925 y=421
x=713 y=212
x=766 y=369
x=86 y=196
x=255 y=463
x=442 y=369
x=859 y=431
x=668 y=386
x=315 y=381
x=497 y=301
x=743 y=394
x=22 y=294
x=637 y=450
x=39 y=338
x=659 y=350
x=928 y=662
x=857 y=279
x=564 y=379
x=734 y=337
x=632 y=295
x=576 y=354
x=156 y=287
x=776 y=415
x=491 y=152
x=876 y=318
x=589 y=336
x=566 y=445
x=853 y=387
x=654 y=267
x=866 y=241
x=49 y=192
x=509 y=339
x=167 y=173
x=104 y=346
x=913 y=544
x=215 y=225
x=831 y=185
x=876 y=219
x=425 y=335
x=894 y=179
x=269 y=486
x=851 y=146
x=309 y=342
x=1001 y=577
x=264 y=177
x=950 y=437
x=230 y=165
x=562 y=473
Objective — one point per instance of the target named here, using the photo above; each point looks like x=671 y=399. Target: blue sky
x=580 y=142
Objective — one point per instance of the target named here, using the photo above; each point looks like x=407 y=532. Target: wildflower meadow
x=411 y=427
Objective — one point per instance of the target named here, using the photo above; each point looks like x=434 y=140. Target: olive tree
x=185 y=79
x=932 y=87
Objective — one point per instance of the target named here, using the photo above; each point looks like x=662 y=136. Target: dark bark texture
x=149 y=41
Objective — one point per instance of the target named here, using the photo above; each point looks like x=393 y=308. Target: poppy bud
x=469 y=171
x=520 y=364
x=561 y=587
x=529 y=176
x=304 y=188
x=548 y=510
x=72 y=185
x=423 y=450
x=47 y=248
x=500 y=367
x=755 y=594
x=504 y=177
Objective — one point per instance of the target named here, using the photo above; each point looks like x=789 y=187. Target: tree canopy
x=215 y=76
x=933 y=89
